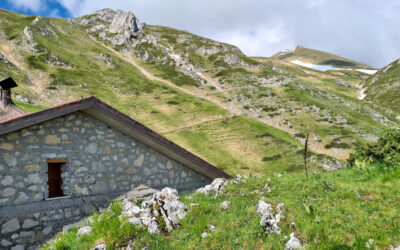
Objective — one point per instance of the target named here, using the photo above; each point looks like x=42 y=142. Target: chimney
x=5 y=92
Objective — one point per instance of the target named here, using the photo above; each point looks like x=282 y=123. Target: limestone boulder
x=84 y=231
x=225 y=205
x=293 y=243
x=216 y=187
x=164 y=204
x=269 y=218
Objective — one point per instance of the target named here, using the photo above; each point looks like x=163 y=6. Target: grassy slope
x=158 y=106
x=347 y=208
x=241 y=88
x=29 y=108
x=384 y=87
x=318 y=57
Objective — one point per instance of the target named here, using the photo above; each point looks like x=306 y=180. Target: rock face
x=164 y=207
x=126 y=23
x=123 y=26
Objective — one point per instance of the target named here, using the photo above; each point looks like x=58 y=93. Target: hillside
x=241 y=114
x=309 y=57
x=383 y=87
x=355 y=208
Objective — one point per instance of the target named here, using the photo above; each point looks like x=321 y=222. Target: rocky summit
x=116 y=26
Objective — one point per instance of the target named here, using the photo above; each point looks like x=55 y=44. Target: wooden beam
x=60 y=160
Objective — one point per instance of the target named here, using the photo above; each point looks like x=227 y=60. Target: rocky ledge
x=116 y=26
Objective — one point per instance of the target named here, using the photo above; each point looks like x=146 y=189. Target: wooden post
x=305 y=153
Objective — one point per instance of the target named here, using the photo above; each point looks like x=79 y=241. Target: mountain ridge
x=190 y=77
x=318 y=57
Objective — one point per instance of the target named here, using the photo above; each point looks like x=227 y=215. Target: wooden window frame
x=60 y=161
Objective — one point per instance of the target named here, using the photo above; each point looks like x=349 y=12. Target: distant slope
x=383 y=88
x=313 y=56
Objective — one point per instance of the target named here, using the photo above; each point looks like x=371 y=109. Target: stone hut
x=59 y=163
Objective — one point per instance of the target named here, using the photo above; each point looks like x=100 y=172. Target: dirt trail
x=129 y=59
x=232 y=107
x=40 y=79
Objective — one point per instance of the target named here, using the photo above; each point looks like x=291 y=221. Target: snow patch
x=329 y=67
x=315 y=66
x=368 y=71
x=362 y=95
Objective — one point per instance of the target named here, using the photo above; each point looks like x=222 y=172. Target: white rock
x=266 y=188
x=263 y=207
x=279 y=207
x=369 y=243
x=238 y=179
x=225 y=204
x=164 y=203
x=270 y=223
x=129 y=209
x=211 y=228
x=293 y=243
x=135 y=221
x=279 y=175
x=101 y=246
x=203 y=235
x=217 y=187
x=126 y=23
x=83 y=231
x=171 y=208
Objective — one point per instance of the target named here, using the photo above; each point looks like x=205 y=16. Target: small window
x=54 y=177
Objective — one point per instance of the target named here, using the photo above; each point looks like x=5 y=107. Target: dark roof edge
x=27 y=120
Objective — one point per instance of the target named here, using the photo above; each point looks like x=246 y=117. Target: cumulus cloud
x=362 y=30
x=33 y=5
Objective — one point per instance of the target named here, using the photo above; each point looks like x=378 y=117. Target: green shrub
x=386 y=150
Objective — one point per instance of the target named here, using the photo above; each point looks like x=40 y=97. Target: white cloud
x=33 y=5
x=362 y=30
x=264 y=41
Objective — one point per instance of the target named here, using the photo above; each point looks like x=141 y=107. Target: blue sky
x=49 y=8
x=363 y=30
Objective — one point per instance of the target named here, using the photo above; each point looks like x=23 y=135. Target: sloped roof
x=8 y=83
x=10 y=112
x=112 y=117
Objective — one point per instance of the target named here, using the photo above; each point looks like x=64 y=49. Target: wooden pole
x=305 y=153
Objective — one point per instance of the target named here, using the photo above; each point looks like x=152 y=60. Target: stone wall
x=102 y=163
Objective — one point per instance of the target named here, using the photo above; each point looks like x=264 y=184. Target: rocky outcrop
x=116 y=26
x=163 y=210
x=126 y=23
x=269 y=221
x=293 y=243
x=216 y=187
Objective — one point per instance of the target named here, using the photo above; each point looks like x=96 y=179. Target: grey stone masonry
x=102 y=163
